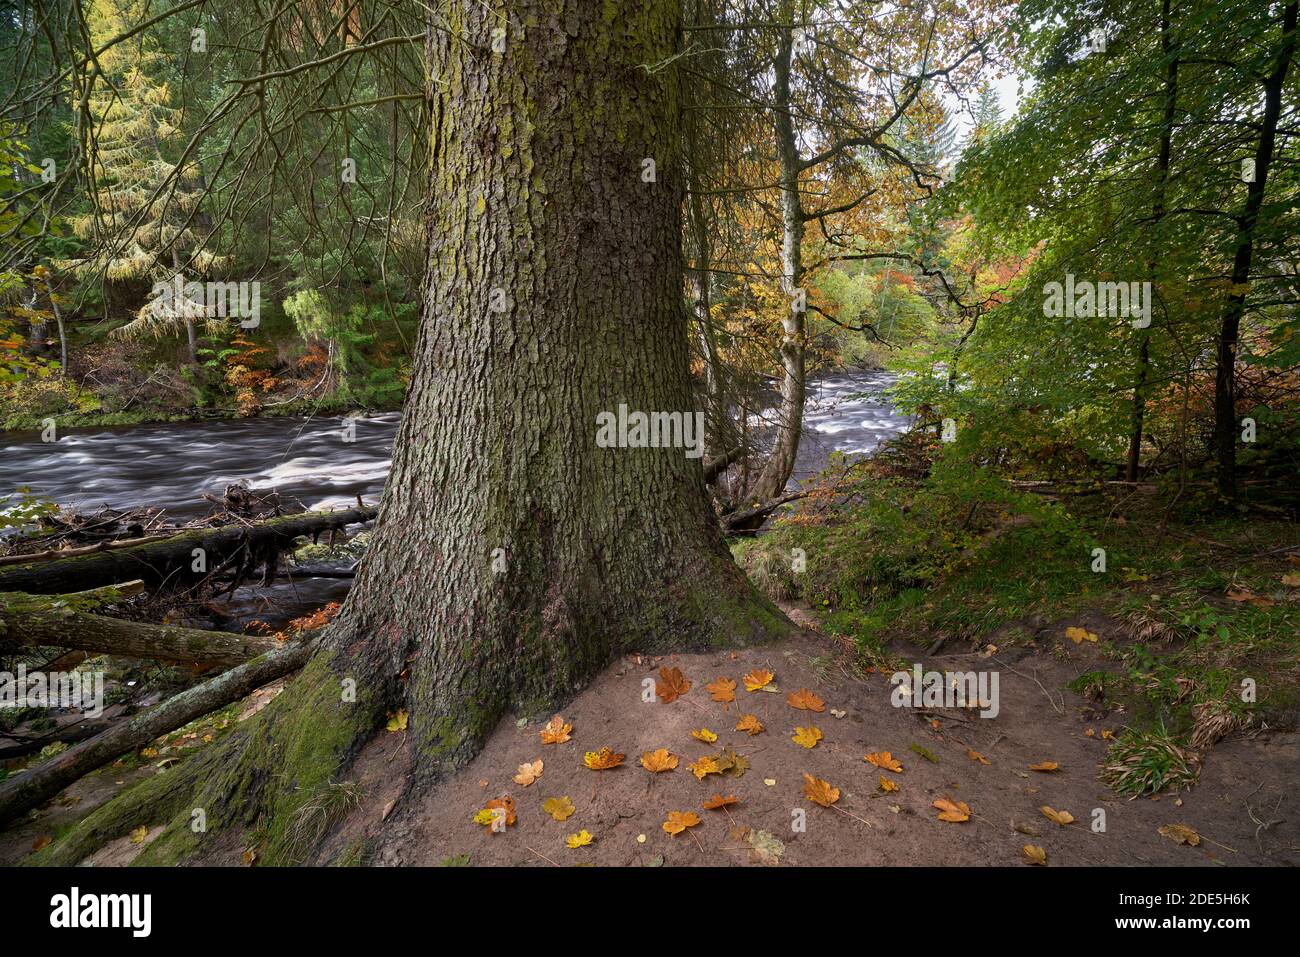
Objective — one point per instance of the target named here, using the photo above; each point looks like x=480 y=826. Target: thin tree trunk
x=1225 y=380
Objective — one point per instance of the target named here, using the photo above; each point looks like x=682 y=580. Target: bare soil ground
x=1243 y=807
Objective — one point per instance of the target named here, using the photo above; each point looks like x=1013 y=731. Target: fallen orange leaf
x=679 y=821
x=672 y=684
x=718 y=801
x=660 y=760
x=555 y=731
x=750 y=723
x=603 y=759
x=758 y=679
x=819 y=791
x=952 y=812
x=807 y=737
x=722 y=689
x=884 y=759
x=805 y=700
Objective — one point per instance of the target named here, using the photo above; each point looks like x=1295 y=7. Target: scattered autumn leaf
x=1045 y=766
x=397 y=720
x=1060 y=817
x=603 y=759
x=704 y=734
x=556 y=731
x=40 y=842
x=954 y=812
x=528 y=773
x=660 y=760
x=805 y=700
x=887 y=785
x=1034 y=854
x=504 y=804
x=581 y=839
x=885 y=760
x=976 y=756
x=703 y=766
x=679 y=821
x=806 y=737
x=722 y=689
x=819 y=791
x=731 y=764
x=758 y=679
x=720 y=801
x=672 y=684
x=560 y=808
x=1180 y=834
x=749 y=723
x=1079 y=635
x=138 y=834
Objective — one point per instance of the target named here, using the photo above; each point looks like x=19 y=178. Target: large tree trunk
x=1225 y=381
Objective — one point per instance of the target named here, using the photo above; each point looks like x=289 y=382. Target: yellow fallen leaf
x=1034 y=854
x=1060 y=817
x=1045 y=766
x=883 y=759
x=758 y=679
x=1180 y=834
x=704 y=734
x=1079 y=635
x=556 y=731
x=138 y=834
x=528 y=773
x=954 y=812
x=560 y=808
x=750 y=724
x=581 y=839
x=679 y=821
x=887 y=785
x=397 y=720
x=603 y=759
x=976 y=756
x=819 y=791
x=660 y=760
x=806 y=737
x=705 y=765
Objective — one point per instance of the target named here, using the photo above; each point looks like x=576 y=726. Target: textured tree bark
x=513 y=558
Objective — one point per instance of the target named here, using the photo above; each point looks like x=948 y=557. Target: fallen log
x=24 y=791
x=173 y=560
x=750 y=518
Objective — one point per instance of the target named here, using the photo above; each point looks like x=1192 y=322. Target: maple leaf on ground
x=1180 y=834
x=705 y=765
x=954 y=812
x=749 y=723
x=556 y=731
x=705 y=735
x=560 y=808
x=528 y=773
x=1079 y=635
x=679 y=821
x=720 y=801
x=497 y=814
x=731 y=764
x=722 y=689
x=397 y=720
x=885 y=760
x=581 y=839
x=672 y=684
x=660 y=760
x=1034 y=854
x=819 y=791
x=1060 y=817
x=1045 y=766
x=603 y=759
x=887 y=785
x=976 y=756
x=138 y=834
x=758 y=679
x=806 y=737
x=805 y=700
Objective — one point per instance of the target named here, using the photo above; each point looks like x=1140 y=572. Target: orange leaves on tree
x=819 y=791
x=679 y=821
x=954 y=812
x=603 y=760
x=720 y=801
x=658 y=761
x=672 y=684
x=722 y=689
x=556 y=731
x=805 y=700
x=806 y=737
x=758 y=679
x=750 y=724
x=885 y=760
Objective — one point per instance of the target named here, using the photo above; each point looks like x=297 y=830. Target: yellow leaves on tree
x=758 y=679
x=679 y=821
x=1060 y=817
x=749 y=723
x=581 y=839
x=659 y=761
x=954 y=812
x=560 y=808
x=805 y=700
x=806 y=737
x=819 y=791
x=722 y=690
x=556 y=731
x=672 y=684
x=603 y=760
x=528 y=773
x=884 y=760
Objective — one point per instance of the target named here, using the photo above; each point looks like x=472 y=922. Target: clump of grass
x=1146 y=762
x=314 y=817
